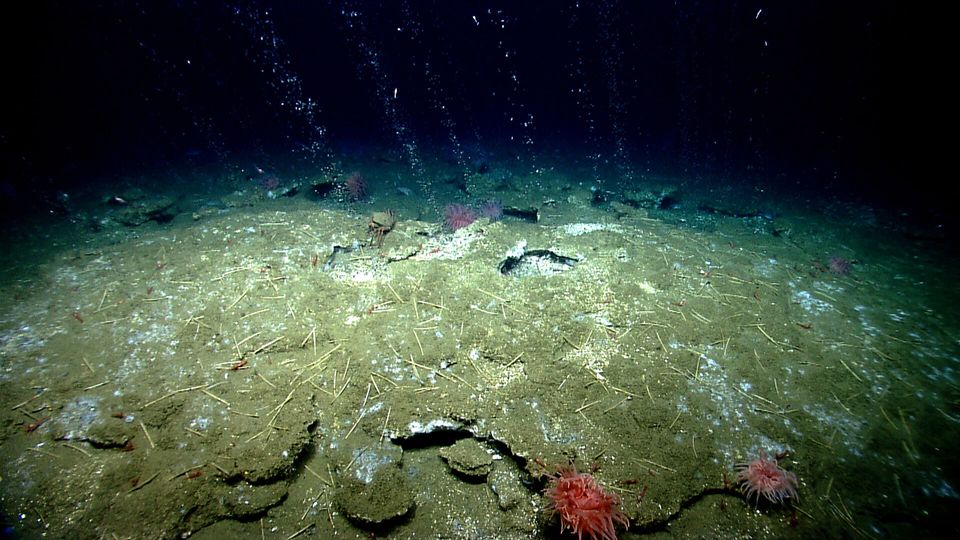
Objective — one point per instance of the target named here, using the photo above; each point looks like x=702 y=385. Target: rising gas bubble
x=438 y=94
x=612 y=59
x=286 y=85
x=515 y=111
x=388 y=95
x=582 y=91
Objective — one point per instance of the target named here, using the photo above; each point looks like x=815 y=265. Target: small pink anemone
x=764 y=476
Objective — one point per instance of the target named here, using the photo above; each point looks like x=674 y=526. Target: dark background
x=818 y=94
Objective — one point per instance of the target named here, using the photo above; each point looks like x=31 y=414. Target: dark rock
x=536 y=262
x=468 y=458
x=526 y=214
x=108 y=434
x=157 y=209
x=378 y=503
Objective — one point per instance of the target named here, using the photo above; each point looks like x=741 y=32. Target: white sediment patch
x=577 y=229
x=810 y=303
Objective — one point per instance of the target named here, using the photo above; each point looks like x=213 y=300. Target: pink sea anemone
x=356 y=187
x=458 y=216
x=585 y=508
x=839 y=265
x=492 y=210
x=764 y=476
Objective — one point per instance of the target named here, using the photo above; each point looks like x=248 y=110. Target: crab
x=380 y=224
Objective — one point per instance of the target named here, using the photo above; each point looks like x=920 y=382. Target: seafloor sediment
x=265 y=369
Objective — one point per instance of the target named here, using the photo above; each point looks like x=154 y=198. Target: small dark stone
x=468 y=458
x=386 y=498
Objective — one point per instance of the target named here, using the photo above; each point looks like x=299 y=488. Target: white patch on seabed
x=767 y=268
x=713 y=382
x=416 y=427
x=367 y=463
x=849 y=427
x=828 y=287
x=899 y=316
x=811 y=304
x=576 y=229
x=868 y=328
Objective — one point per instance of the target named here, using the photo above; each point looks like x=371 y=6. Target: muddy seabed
x=266 y=372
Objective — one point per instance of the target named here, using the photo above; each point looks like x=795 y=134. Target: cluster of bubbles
x=612 y=59
x=439 y=74
x=442 y=91
x=582 y=92
x=516 y=111
x=288 y=94
x=370 y=69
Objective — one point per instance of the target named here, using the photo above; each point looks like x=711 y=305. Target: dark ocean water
x=828 y=98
